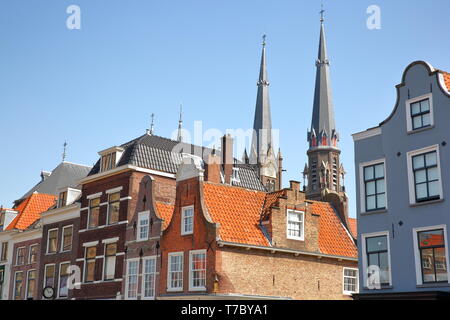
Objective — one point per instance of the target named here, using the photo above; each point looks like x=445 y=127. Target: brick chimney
x=213 y=164
x=227 y=157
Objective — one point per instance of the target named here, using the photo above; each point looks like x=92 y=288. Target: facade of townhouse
x=403 y=191
x=60 y=226
x=228 y=242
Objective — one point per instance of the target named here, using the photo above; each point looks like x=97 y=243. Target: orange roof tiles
x=353 y=227
x=30 y=209
x=446 y=79
x=333 y=237
x=238 y=211
x=165 y=212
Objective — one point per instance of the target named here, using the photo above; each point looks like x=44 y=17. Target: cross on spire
x=321 y=13
x=64 y=151
x=264 y=39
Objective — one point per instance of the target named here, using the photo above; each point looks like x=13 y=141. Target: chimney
x=45 y=174
x=294 y=185
x=227 y=157
x=212 y=172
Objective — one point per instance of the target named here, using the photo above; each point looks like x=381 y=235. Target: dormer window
x=109 y=158
x=235 y=175
x=2 y=220
x=419 y=113
x=62 y=201
x=295 y=225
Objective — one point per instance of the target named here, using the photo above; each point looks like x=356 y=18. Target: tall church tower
x=262 y=154
x=324 y=171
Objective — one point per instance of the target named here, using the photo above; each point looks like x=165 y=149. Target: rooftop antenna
x=64 y=154
x=150 y=132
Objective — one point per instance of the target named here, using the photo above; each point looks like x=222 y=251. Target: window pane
x=379 y=171
x=373 y=259
x=425 y=105
x=415 y=108
x=431 y=159
x=417 y=122
x=440 y=264
x=376 y=244
x=380 y=186
x=418 y=162
x=113 y=212
x=370 y=188
x=421 y=191
x=381 y=201
x=420 y=176
x=431 y=238
x=370 y=203
x=368 y=173
x=428 y=263
x=433 y=189
x=433 y=174
x=426 y=120
x=384 y=268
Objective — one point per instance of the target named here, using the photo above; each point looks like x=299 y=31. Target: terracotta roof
x=165 y=211
x=446 y=79
x=353 y=227
x=238 y=211
x=30 y=209
x=333 y=237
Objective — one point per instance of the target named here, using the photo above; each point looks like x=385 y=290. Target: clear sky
x=96 y=87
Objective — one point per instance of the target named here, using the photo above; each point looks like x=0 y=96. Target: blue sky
x=96 y=87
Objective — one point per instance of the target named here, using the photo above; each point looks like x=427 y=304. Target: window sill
x=197 y=289
x=368 y=213
x=381 y=288
x=294 y=238
x=433 y=285
x=419 y=204
x=174 y=289
x=420 y=129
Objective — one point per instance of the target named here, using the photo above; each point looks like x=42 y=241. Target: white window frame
x=62 y=238
x=191 y=285
x=302 y=238
x=364 y=255
x=17 y=257
x=45 y=275
x=137 y=278
x=29 y=253
x=143 y=215
x=26 y=283
x=235 y=175
x=169 y=283
x=90 y=198
x=109 y=193
x=183 y=210
x=105 y=244
x=417 y=259
x=345 y=292
x=14 y=284
x=411 y=182
x=144 y=260
x=362 y=187
x=409 y=102
x=48 y=241
x=59 y=280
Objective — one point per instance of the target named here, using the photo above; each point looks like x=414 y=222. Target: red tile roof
x=353 y=227
x=334 y=239
x=30 y=209
x=165 y=211
x=238 y=212
x=446 y=79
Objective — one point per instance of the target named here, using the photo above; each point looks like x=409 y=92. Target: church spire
x=262 y=124
x=180 y=125
x=323 y=130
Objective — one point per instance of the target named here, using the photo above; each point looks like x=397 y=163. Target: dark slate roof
x=163 y=154
x=66 y=174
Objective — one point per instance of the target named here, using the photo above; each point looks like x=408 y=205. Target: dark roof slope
x=163 y=154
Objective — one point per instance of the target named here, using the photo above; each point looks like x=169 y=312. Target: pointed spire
x=262 y=124
x=323 y=113
x=180 y=125
x=245 y=158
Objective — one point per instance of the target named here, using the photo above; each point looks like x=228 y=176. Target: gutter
x=282 y=250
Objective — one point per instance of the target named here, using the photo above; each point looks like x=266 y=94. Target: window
x=148 y=278
x=374 y=187
x=420 y=114
x=63 y=290
x=350 y=280
x=49 y=276
x=89 y=267
x=4 y=255
x=426 y=176
x=31 y=284
x=143 y=226
x=108 y=161
x=52 y=241
x=32 y=258
x=235 y=175
x=113 y=208
x=2 y=221
x=377 y=258
x=187 y=220
x=132 y=279
x=20 y=259
x=67 y=238
x=110 y=261
x=175 y=274
x=432 y=254
x=62 y=200
x=197 y=270
x=94 y=211
x=295 y=225
x=18 y=284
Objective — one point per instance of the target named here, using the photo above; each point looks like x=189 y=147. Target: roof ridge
x=232 y=186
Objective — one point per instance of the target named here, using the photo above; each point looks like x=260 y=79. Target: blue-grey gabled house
x=403 y=191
